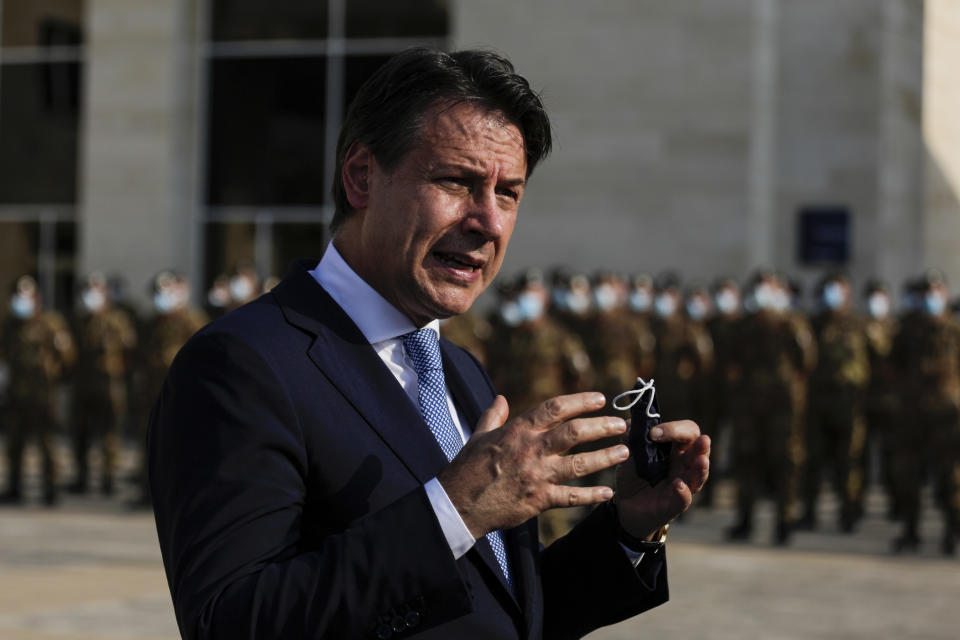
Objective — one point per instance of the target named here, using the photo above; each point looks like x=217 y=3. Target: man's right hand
x=509 y=473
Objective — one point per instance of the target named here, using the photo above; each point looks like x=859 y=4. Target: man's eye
x=455 y=182
x=513 y=194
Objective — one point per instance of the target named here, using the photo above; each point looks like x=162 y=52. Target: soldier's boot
x=781 y=535
x=950 y=530
x=909 y=542
x=50 y=495
x=744 y=527
x=849 y=516
x=106 y=486
x=808 y=522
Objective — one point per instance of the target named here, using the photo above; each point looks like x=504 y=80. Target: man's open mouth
x=458 y=261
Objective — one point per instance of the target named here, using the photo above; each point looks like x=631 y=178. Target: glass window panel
x=227 y=245
x=18 y=256
x=266 y=131
x=356 y=71
x=295 y=240
x=269 y=19
x=39 y=114
x=391 y=19
x=21 y=244
x=42 y=23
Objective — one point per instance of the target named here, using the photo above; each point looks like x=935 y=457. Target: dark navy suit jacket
x=287 y=468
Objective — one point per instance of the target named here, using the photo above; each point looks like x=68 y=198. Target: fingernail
x=656 y=433
x=606 y=493
x=619 y=425
x=598 y=398
x=681 y=485
x=622 y=452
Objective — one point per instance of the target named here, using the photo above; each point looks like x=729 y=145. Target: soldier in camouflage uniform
x=39 y=350
x=723 y=326
x=836 y=427
x=774 y=353
x=534 y=358
x=172 y=325
x=470 y=331
x=619 y=347
x=683 y=355
x=883 y=397
x=106 y=338
x=926 y=353
x=572 y=302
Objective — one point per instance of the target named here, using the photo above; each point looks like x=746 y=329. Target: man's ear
x=356 y=175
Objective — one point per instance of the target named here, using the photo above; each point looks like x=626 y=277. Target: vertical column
x=139 y=192
x=762 y=167
x=941 y=133
x=899 y=226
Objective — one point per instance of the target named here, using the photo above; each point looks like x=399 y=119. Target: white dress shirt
x=383 y=327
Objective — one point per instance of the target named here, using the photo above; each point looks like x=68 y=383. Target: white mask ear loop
x=637 y=394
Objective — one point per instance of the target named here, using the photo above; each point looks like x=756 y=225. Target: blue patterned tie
x=423 y=347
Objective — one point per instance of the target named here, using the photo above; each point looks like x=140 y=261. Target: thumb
x=494 y=417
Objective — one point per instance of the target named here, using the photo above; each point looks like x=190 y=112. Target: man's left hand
x=644 y=509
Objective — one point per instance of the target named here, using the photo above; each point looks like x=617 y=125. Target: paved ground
x=91 y=570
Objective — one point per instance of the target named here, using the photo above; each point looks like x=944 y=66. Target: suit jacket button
x=384 y=632
x=412 y=619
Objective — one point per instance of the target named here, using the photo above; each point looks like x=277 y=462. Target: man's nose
x=484 y=214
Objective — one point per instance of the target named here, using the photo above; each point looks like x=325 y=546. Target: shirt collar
x=376 y=318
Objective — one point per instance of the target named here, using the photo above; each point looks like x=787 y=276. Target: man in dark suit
x=322 y=467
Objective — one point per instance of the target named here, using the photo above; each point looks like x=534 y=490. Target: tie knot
x=423 y=347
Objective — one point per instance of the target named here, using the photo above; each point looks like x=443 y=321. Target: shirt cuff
x=633 y=556
x=454 y=530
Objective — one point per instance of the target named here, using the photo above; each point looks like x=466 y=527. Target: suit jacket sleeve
x=228 y=472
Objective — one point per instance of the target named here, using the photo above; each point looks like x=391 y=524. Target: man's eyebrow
x=473 y=171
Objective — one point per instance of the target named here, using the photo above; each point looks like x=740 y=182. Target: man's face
x=435 y=229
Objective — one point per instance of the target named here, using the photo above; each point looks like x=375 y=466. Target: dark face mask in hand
x=652 y=459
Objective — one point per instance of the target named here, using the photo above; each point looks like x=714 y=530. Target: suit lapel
x=342 y=353
x=345 y=357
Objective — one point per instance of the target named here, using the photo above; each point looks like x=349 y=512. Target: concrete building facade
x=690 y=135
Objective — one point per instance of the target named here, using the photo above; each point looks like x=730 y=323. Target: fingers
x=680 y=432
x=552 y=412
x=564 y=496
x=494 y=417
x=583 y=464
x=570 y=434
x=694 y=467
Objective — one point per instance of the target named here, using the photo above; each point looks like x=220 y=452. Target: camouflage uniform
x=620 y=349
x=883 y=398
x=106 y=339
x=39 y=351
x=470 y=331
x=926 y=353
x=836 y=428
x=683 y=360
x=163 y=336
x=722 y=383
x=774 y=355
x=531 y=363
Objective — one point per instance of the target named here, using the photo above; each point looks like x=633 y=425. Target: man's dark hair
x=388 y=111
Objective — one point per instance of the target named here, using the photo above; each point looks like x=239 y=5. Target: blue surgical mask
x=578 y=302
x=241 y=289
x=834 y=296
x=640 y=300
x=878 y=305
x=531 y=305
x=696 y=309
x=510 y=313
x=727 y=301
x=934 y=303
x=605 y=297
x=93 y=300
x=780 y=300
x=763 y=296
x=23 y=306
x=665 y=305
x=164 y=301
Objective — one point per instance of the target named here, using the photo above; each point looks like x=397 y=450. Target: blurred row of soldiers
x=801 y=393
x=109 y=359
